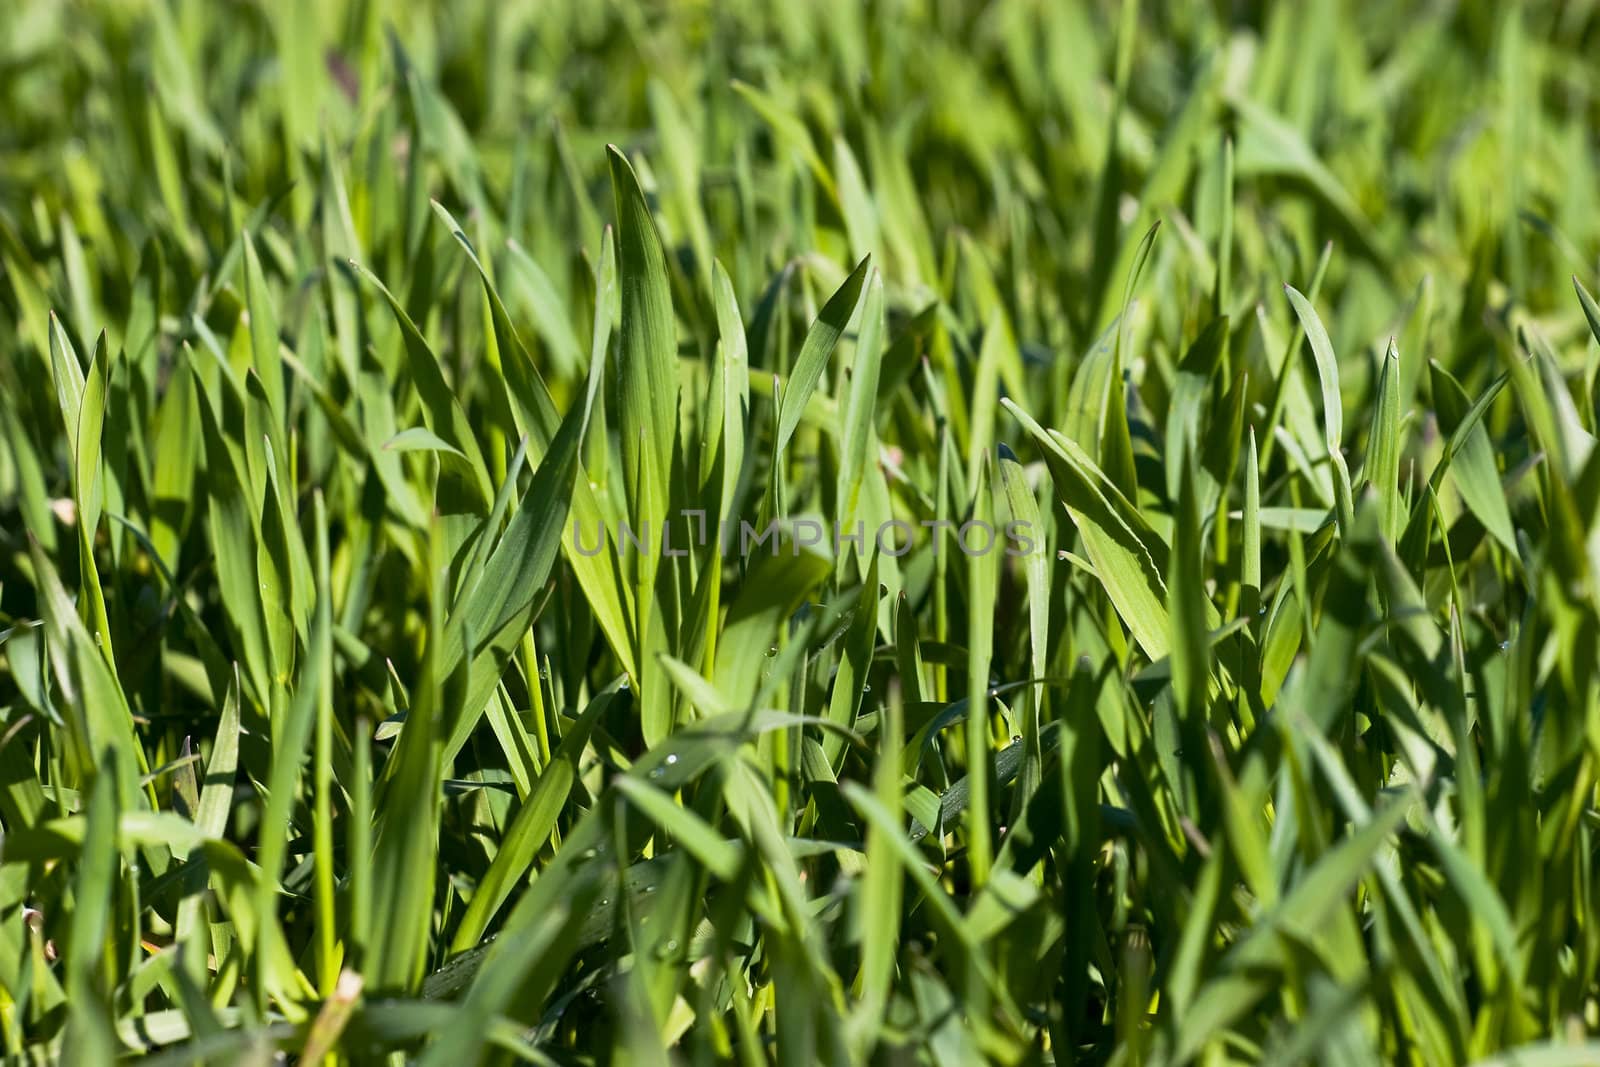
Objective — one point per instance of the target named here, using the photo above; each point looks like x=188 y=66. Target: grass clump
x=492 y=533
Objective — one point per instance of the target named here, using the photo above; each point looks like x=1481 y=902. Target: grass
x=332 y=334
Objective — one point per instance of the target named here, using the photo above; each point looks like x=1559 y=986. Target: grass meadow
x=896 y=532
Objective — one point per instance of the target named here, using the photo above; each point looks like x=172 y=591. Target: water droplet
x=1015 y=738
x=626 y=685
x=649 y=889
x=657 y=772
x=672 y=757
x=1262 y=610
x=866 y=687
x=1504 y=645
x=605 y=902
x=588 y=854
x=666 y=948
x=772 y=651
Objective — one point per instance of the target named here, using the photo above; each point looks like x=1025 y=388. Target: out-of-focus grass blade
x=1168 y=174
x=523 y=275
x=444 y=413
x=777 y=584
x=1268 y=144
x=790 y=130
x=855 y=201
